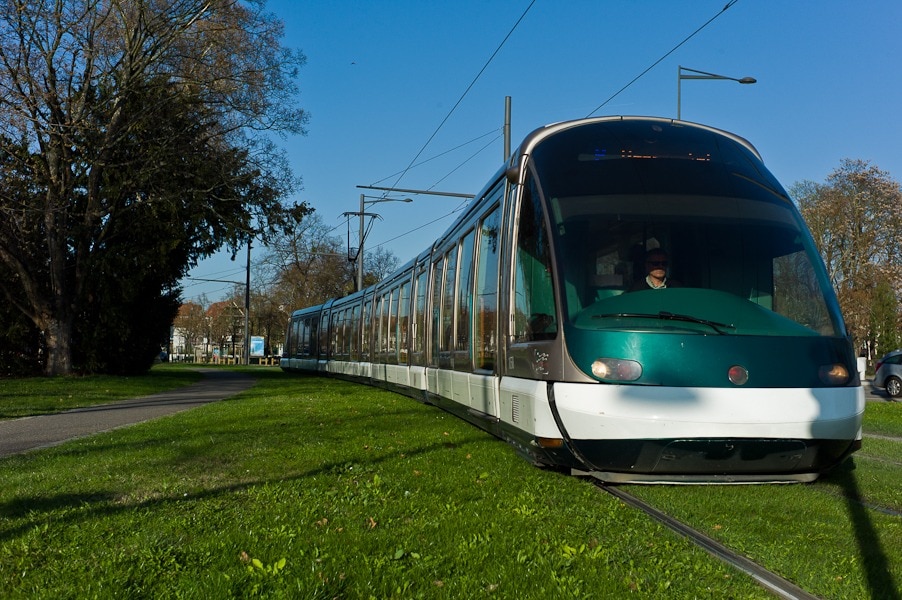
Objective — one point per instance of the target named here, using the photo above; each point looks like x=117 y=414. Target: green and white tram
x=636 y=298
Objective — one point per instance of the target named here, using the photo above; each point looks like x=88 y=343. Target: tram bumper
x=637 y=433
x=711 y=460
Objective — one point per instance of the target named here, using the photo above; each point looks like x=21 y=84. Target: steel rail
x=774 y=583
x=868 y=505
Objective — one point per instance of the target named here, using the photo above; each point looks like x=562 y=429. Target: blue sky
x=383 y=75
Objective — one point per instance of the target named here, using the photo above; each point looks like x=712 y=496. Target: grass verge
x=840 y=537
x=304 y=487
x=44 y=395
x=883 y=418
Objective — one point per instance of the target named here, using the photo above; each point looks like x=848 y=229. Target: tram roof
x=541 y=133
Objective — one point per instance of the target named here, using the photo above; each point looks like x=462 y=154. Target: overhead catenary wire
x=456 y=104
x=462 y=96
x=440 y=154
x=413 y=163
x=423 y=162
x=669 y=52
x=223 y=277
x=465 y=161
x=460 y=207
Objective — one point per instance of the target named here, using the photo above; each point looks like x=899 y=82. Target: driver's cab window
x=534 y=312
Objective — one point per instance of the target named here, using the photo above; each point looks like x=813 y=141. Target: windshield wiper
x=669 y=316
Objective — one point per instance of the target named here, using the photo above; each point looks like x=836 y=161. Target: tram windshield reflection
x=739 y=262
x=738 y=252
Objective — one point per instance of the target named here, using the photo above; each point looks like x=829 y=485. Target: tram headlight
x=616 y=369
x=835 y=374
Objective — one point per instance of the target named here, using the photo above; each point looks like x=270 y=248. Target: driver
x=656 y=263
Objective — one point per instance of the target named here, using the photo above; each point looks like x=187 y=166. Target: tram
x=539 y=316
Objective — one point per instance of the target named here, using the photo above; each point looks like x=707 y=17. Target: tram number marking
x=540 y=362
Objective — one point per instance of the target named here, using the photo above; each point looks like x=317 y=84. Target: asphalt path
x=30 y=433
x=875 y=394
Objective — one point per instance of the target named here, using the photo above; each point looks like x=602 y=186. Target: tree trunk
x=58 y=337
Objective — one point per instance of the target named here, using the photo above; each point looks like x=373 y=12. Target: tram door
x=529 y=329
x=533 y=322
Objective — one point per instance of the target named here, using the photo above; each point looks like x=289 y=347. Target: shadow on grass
x=99 y=504
x=23 y=506
x=39 y=396
x=226 y=429
x=75 y=508
x=874 y=560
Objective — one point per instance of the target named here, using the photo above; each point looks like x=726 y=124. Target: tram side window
x=533 y=286
x=436 y=322
x=303 y=338
x=464 y=304
x=311 y=325
x=338 y=333
x=391 y=348
x=333 y=328
x=345 y=330
x=447 y=332
x=355 y=332
x=418 y=336
x=379 y=330
x=374 y=328
x=366 y=330
x=403 y=323
x=487 y=290
x=346 y=333
x=324 y=335
x=350 y=332
x=295 y=339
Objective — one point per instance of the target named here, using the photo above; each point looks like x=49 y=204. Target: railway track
x=774 y=583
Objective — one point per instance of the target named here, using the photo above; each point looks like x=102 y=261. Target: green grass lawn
x=43 y=395
x=304 y=487
x=311 y=488
x=840 y=537
x=883 y=418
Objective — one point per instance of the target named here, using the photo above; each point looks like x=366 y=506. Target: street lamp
x=703 y=75
x=363 y=204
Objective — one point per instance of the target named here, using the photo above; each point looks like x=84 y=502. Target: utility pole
x=360 y=248
x=361 y=214
x=507 y=128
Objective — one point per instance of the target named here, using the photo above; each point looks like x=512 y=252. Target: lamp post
x=247 y=306
x=703 y=75
x=363 y=204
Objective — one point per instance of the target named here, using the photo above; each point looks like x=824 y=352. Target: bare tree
x=134 y=140
x=307 y=265
x=378 y=264
x=855 y=219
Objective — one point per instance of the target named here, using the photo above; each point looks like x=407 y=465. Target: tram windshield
x=683 y=233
